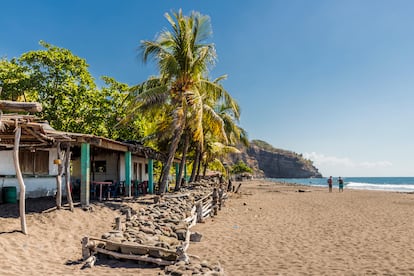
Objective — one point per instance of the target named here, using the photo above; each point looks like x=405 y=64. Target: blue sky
x=331 y=79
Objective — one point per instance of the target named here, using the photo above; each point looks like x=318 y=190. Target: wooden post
x=59 y=178
x=214 y=202
x=238 y=187
x=128 y=164
x=85 y=174
x=67 y=169
x=128 y=214
x=22 y=201
x=220 y=195
x=85 y=249
x=118 y=225
x=150 y=176
x=199 y=211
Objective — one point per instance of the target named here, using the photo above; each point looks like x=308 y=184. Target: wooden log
x=207 y=207
x=22 y=201
x=206 y=213
x=12 y=106
x=89 y=262
x=187 y=240
x=207 y=197
x=67 y=169
x=137 y=245
x=177 y=195
x=193 y=222
x=143 y=258
x=191 y=218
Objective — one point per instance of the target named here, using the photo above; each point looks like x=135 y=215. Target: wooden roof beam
x=11 y=106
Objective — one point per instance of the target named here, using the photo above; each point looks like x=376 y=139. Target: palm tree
x=221 y=112
x=183 y=58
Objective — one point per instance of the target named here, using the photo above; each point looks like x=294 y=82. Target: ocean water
x=392 y=184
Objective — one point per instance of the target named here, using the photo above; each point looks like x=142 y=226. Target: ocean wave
x=381 y=187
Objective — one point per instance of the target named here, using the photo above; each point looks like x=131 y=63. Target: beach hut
x=27 y=147
x=35 y=157
x=101 y=161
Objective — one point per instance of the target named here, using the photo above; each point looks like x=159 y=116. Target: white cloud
x=379 y=164
x=335 y=165
x=321 y=159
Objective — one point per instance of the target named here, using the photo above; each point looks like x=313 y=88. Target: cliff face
x=270 y=162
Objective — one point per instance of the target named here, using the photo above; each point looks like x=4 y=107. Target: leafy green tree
x=113 y=106
x=240 y=167
x=61 y=82
x=14 y=80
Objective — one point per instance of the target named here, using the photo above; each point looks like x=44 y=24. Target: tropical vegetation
x=182 y=111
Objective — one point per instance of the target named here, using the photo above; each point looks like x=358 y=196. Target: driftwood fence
x=202 y=208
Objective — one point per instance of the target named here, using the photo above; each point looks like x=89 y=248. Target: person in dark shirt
x=330 y=184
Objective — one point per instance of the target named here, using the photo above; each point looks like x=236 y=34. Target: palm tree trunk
x=183 y=160
x=205 y=168
x=171 y=153
x=195 y=163
x=200 y=157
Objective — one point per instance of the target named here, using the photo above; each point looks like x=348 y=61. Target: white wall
x=7 y=163
x=36 y=186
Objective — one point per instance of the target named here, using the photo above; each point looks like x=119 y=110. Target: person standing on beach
x=330 y=184
x=341 y=184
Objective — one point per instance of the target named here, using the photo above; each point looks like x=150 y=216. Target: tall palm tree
x=183 y=59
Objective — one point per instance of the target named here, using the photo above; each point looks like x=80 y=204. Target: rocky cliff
x=270 y=162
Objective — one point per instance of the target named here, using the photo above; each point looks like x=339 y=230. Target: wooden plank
x=113 y=146
x=148 y=247
x=26 y=144
x=143 y=258
x=12 y=106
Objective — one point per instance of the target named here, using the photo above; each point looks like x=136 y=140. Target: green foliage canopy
x=240 y=167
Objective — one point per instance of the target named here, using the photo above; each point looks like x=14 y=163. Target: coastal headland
x=265 y=229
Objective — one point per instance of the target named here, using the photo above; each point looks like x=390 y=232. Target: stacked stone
x=161 y=224
x=194 y=268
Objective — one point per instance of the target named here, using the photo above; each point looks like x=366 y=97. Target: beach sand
x=266 y=229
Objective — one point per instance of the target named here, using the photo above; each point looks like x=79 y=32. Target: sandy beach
x=266 y=229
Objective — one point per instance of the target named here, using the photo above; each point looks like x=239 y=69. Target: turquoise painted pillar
x=150 y=176
x=177 y=168
x=85 y=174
x=128 y=165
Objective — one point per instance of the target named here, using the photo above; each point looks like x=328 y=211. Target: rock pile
x=194 y=268
x=160 y=232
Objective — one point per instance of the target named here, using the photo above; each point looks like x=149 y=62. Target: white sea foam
x=392 y=184
x=381 y=187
